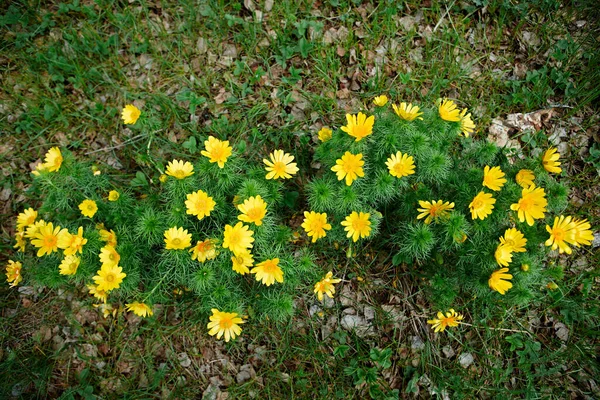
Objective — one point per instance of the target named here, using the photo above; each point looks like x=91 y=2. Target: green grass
x=68 y=68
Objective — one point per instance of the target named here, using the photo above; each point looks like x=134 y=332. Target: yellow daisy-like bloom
x=400 y=165
x=407 y=111
x=20 y=244
x=26 y=218
x=88 y=208
x=448 y=110
x=109 y=277
x=562 y=234
x=163 y=178
x=482 y=205
x=109 y=237
x=280 y=166
x=33 y=229
x=217 y=151
x=180 y=169
x=531 y=205
x=500 y=280
x=550 y=161
x=71 y=244
x=349 y=167
x=253 y=210
x=130 y=114
x=325 y=286
x=524 y=267
x=452 y=319
x=98 y=293
x=582 y=233
x=325 y=134
x=357 y=225
x=466 y=123
x=13 y=272
x=241 y=262
x=434 y=210
x=237 y=238
x=380 y=101
x=46 y=239
x=515 y=239
x=140 y=309
x=113 y=195
x=177 y=239
x=199 y=204
x=503 y=255
x=359 y=126
x=206 y=250
x=268 y=272
x=493 y=178
x=69 y=265
x=315 y=225
x=109 y=256
x=224 y=324
x=53 y=160
x=525 y=178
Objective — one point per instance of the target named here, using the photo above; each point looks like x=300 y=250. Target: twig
x=443 y=16
x=125 y=143
x=497 y=329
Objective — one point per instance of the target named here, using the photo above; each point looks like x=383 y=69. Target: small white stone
x=465 y=359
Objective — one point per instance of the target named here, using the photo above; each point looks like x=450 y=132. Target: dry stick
x=125 y=143
x=443 y=16
x=497 y=329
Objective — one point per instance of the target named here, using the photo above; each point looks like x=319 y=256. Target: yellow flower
x=53 y=160
x=46 y=239
x=503 y=255
x=26 y=218
x=109 y=237
x=69 y=265
x=525 y=178
x=268 y=272
x=550 y=161
x=237 y=238
x=531 y=205
x=177 y=239
x=582 y=233
x=179 y=169
x=380 y=101
x=71 y=244
x=130 y=114
x=113 y=195
x=359 y=126
x=325 y=134
x=466 y=123
x=88 y=208
x=163 y=178
x=280 y=166
x=349 y=167
x=434 y=210
x=20 y=244
x=206 y=250
x=199 y=204
x=400 y=165
x=482 y=205
x=493 y=178
x=109 y=256
x=109 y=277
x=407 y=111
x=140 y=309
x=525 y=267
x=13 y=273
x=448 y=110
x=253 y=210
x=552 y=286
x=224 y=324
x=514 y=239
x=325 y=286
x=241 y=262
x=98 y=293
x=315 y=225
x=357 y=225
x=500 y=280
x=33 y=229
x=562 y=234
x=217 y=151
x=452 y=319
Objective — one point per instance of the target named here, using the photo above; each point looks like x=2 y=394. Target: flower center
x=559 y=234
x=225 y=323
x=358 y=225
x=254 y=213
x=269 y=267
x=90 y=207
x=50 y=241
x=526 y=204
x=279 y=167
x=109 y=278
x=73 y=266
x=350 y=166
x=176 y=241
x=200 y=204
x=180 y=174
x=478 y=203
x=433 y=211
x=510 y=242
x=217 y=153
